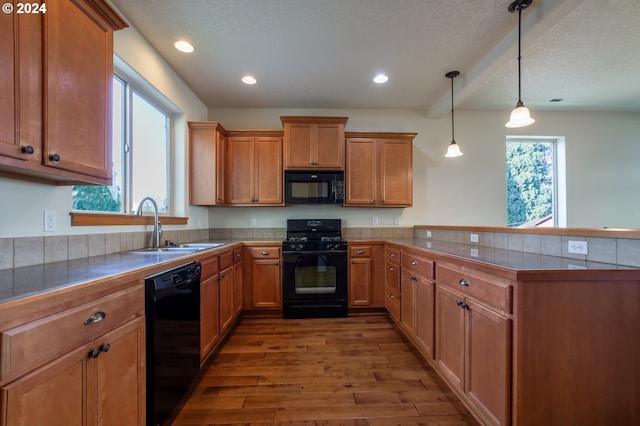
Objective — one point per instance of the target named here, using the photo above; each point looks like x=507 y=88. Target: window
x=140 y=157
x=531 y=182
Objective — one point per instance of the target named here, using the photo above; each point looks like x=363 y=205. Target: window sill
x=109 y=219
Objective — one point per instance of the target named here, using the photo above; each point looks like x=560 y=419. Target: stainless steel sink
x=199 y=246
x=177 y=249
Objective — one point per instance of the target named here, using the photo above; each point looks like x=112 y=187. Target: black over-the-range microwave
x=313 y=187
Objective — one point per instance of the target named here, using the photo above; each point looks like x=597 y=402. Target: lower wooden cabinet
x=227 y=308
x=101 y=382
x=209 y=307
x=263 y=277
x=237 y=282
x=424 y=326
x=366 y=281
x=473 y=344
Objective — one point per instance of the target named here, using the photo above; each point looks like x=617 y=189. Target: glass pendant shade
x=520 y=117
x=453 y=150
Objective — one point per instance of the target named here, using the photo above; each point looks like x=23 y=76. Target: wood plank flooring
x=345 y=371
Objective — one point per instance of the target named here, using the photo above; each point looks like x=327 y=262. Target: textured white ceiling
x=324 y=53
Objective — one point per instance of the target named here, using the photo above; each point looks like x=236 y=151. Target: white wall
x=603 y=180
x=23 y=203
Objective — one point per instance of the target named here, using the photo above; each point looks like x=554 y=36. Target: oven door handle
x=316 y=252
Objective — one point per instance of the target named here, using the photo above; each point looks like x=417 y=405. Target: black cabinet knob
x=27 y=149
x=54 y=157
x=105 y=347
x=94 y=353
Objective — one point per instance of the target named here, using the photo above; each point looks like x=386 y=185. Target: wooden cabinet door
x=121 y=376
x=266 y=283
x=21 y=86
x=298 y=154
x=450 y=334
x=425 y=315
x=55 y=394
x=221 y=169
x=396 y=177
x=329 y=146
x=207 y=156
x=209 y=315
x=268 y=177
x=78 y=59
x=407 y=301
x=237 y=289
x=361 y=175
x=226 y=299
x=241 y=170
x=360 y=281
x=487 y=364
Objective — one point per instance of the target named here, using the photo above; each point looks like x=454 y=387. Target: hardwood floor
x=345 y=371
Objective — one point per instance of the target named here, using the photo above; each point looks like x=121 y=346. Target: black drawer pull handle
x=464 y=282
x=96 y=317
x=105 y=347
x=54 y=157
x=27 y=149
x=462 y=304
x=94 y=353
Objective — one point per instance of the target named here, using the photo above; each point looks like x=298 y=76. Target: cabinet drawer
x=417 y=264
x=265 y=252
x=209 y=267
x=486 y=288
x=237 y=255
x=28 y=346
x=392 y=254
x=392 y=302
x=225 y=259
x=360 y=251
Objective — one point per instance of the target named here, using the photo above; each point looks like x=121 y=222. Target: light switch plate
x=49 y=221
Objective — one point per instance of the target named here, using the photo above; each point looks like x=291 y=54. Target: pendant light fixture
x=520 y=116
x=454 y=148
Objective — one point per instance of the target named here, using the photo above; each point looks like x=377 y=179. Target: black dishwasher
x=172 y=308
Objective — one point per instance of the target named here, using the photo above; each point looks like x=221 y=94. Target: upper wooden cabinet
x=254 y=168
x=378 y=170
x=207 y=158
x=56 y=91
x=313 y=142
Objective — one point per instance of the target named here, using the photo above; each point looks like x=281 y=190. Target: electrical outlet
x=474 y=238
x=374 y=220
x=49 y=221
x=474 y=253
x=428 y=234
x=252 y=221
x=578 y=247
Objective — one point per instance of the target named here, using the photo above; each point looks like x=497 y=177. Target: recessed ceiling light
x=249 y=79
x=184 y=46
x=380 y=78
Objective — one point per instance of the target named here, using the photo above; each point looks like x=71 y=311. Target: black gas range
x=314 y=278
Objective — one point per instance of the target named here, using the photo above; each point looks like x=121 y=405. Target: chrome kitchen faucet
x=157 y=226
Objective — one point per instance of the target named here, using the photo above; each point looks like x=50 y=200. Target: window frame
x=559 y=175
x=135 y=83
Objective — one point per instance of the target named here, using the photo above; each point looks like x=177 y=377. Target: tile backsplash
x=27 y=251
x=619 y=251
